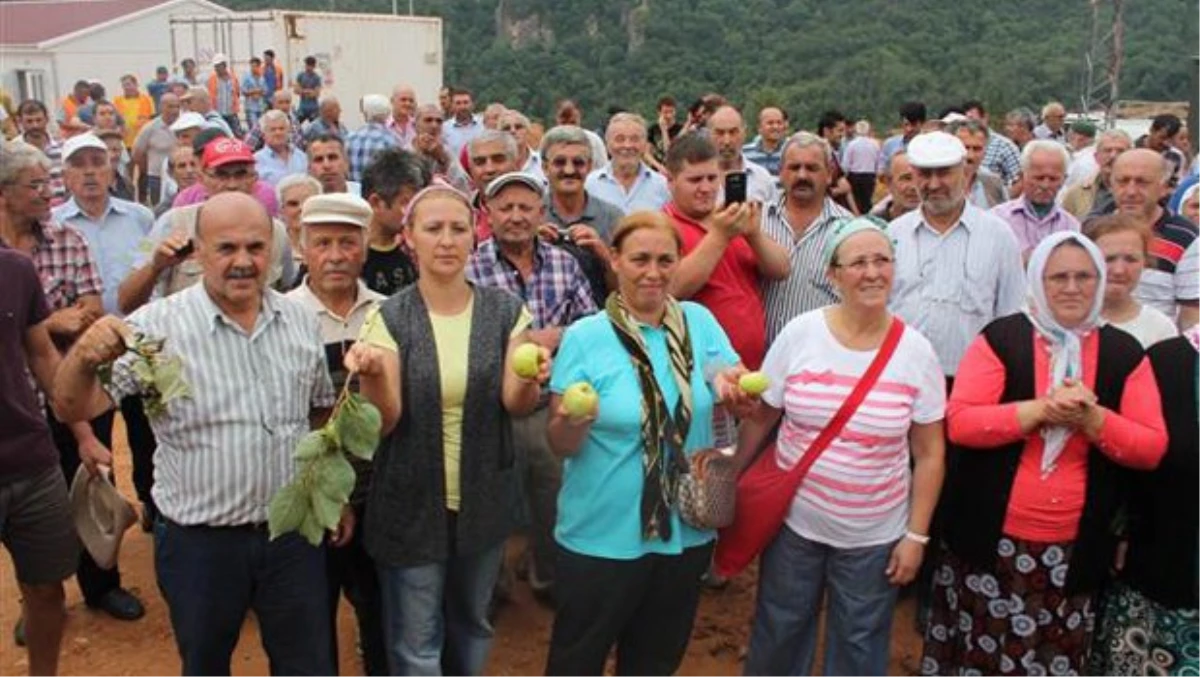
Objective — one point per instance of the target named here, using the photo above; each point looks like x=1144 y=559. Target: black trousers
x=94 y=582
x=141 y=448
x=646 y=607
x=862 y=186
x=351 y=569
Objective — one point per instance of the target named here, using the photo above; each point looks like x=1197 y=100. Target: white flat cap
x=187 y=120
x=934 y=150
x=219 y=58
x=329 y=208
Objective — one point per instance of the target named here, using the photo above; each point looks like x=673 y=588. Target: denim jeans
x=435 y=615
x=211 y=576
x=351 y=570
x=794 y=574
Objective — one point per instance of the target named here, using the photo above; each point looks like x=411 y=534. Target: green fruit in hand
x=581 y=400
x=754 y=383
x=527 y=360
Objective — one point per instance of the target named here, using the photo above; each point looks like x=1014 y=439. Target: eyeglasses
x=36 y=186
x=1062 y=280
x=235 y=174
x=562 y=162
x=863 y=264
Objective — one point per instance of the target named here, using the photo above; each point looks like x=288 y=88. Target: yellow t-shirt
x=452 y=333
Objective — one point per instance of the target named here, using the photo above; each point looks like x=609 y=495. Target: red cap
x=225 y=151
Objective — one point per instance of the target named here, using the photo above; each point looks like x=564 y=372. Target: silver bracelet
x=916 y=538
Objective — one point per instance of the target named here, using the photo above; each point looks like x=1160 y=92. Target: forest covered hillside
x=862 y=56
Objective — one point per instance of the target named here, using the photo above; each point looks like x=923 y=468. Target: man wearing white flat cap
x=333 y=231
x=957 y=267
x=363 y=143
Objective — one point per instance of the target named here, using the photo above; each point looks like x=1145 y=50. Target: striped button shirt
x=949 y=286
x=225 y=451
x=806 y=287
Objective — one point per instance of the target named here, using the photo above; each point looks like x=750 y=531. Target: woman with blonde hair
x=436 y=359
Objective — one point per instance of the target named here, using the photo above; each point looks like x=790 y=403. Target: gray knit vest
x=406 y=521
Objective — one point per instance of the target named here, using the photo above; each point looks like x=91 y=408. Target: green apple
x=527 y=360
x=581 y=400
x=754 y=383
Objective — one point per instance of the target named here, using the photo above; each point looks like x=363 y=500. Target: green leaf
x=334 y=477
x=168 y=379
x=327 y=510
x=357 y=424
x=311 y=529
x=287 y=510
x=313 y=445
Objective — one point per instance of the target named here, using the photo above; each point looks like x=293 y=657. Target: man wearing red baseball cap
x=166 y=266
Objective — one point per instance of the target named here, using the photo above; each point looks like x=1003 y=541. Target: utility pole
x=1107 y=47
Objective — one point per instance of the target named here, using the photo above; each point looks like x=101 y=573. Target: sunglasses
x=562 y=162
x=227 y=173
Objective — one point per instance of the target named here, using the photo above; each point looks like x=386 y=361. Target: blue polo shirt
x=649 y=190
x=598 y=506
x=115 y=240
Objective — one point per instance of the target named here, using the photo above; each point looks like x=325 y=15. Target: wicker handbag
x=707 y=502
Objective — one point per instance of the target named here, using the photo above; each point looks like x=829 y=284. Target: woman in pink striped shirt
x=858 y=525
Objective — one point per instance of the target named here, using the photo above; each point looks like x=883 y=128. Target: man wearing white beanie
x=372 y=137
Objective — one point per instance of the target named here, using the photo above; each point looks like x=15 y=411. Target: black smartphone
x=735 y=187
x=186 y=250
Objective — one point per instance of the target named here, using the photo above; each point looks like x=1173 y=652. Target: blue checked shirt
x=756 y=153
x=364 y=143
x=556 y=294
x=1003 y=157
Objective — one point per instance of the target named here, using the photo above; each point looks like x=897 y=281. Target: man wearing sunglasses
x=578 y=222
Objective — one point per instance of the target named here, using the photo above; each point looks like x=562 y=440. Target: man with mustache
x=489 y=154
x=327 y=163
x=901 y=182
x=166 y=264
x=333 y=230
x=627 y=183
x=580 y=223
x=957 y=267
x=1036 y=213
x=256 y=370
x=1094 y=196
x=985 y=188
x=557 y=294
x=800 y=221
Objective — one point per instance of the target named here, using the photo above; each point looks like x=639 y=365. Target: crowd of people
x=1012 y=315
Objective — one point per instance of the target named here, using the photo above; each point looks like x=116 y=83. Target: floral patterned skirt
x=1013 y=619
x=1138 y=636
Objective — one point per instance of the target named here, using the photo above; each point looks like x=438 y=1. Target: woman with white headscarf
x=1049 y=411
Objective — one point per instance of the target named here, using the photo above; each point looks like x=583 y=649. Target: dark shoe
x=19 y=632
x=120 y=604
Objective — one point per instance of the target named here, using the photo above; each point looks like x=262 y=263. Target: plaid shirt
x=556 y=294
x=364 y=143
x=65 y=265
x=1002 y=157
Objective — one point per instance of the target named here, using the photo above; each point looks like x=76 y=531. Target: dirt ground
x=96 y=644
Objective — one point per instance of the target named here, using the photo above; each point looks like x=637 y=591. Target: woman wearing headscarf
x=1125 y=246
x=436 y=360
x=859 y=521
x=1050 y=411
x=629 y=568
x=1149 y=618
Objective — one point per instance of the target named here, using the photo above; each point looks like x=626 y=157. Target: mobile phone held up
x=186 y=250
x=735 y=187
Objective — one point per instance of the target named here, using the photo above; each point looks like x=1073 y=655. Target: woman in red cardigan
x=1049 y=412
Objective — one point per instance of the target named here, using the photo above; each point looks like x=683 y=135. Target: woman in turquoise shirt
x=628 y=568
